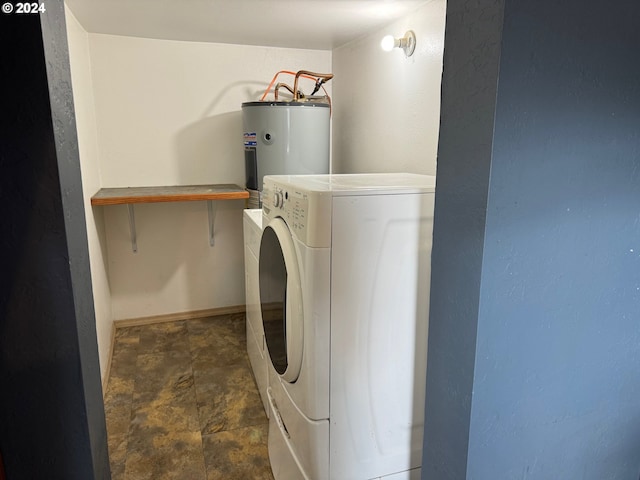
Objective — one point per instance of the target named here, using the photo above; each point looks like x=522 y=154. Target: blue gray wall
x=51 y=415
x=534 y=348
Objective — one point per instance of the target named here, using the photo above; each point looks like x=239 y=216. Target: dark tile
x=117 y=455
x=217 y=341
x=238 y=454
x=117 y=405
x=123 y=359
x=232 y=320
x=127 y=337
x=159 y=371
x=129 y=332
x=126 y=341
x=119 y=388
x=164 y=337
x=172 y=383
x=167 y=410
x=228 y=399
x=165 y=456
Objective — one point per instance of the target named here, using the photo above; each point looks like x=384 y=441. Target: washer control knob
x=278 y=200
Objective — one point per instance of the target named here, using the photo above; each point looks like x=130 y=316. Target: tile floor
x=181 y=403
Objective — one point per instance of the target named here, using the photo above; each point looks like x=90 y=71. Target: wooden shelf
x=183 y=193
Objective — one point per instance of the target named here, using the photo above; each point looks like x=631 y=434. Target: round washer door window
x=281 y=299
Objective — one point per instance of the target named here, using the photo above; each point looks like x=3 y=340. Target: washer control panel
x=290 y=204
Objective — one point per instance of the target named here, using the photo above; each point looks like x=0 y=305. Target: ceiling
x=313 y=24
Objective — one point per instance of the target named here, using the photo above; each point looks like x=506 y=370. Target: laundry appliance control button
x=278 y=200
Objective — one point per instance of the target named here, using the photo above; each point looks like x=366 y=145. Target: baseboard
x=174 y=317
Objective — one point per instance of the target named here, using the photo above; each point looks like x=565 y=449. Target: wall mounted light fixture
x=406 y=43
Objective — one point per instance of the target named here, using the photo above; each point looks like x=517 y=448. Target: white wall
x=386 y=106
x=169 y=113
x=88 y=147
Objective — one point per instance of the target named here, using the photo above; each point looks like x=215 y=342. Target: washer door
x=281 y=299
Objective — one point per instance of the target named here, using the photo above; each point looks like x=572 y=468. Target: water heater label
x=250 y=139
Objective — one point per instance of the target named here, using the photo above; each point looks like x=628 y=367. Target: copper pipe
x=325 y=76
x=284 y=85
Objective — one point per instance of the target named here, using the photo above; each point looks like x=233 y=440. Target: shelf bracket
x=211 y=210
x=132 y=228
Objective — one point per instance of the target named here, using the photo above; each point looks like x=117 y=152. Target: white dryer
x=344 y=271
x=252 y=227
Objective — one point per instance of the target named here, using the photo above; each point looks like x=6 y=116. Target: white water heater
x=285 y=138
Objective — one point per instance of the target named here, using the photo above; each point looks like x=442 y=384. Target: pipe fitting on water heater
x=287 y=136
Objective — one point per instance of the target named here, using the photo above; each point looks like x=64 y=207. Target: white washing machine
x=344 y=271
x=252 y=226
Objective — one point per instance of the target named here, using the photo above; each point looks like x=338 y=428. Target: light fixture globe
x=387 y=43
x=406 y=43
